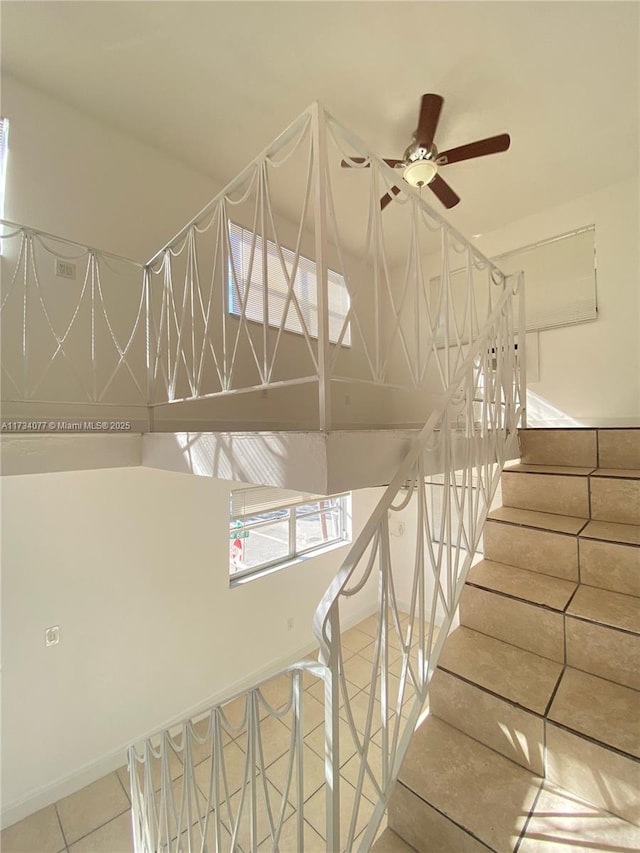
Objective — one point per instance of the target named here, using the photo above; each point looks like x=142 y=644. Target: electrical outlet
x=347 y=399
x=65 y=269
x=52 y=636
x=290 y=623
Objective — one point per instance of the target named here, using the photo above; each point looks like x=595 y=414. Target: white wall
x=591 y=371
x=78 y=178
x=132 y=565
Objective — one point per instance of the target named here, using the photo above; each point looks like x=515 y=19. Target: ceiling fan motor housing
x=418 y=151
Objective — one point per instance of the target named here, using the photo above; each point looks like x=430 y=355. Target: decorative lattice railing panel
x=74 y=326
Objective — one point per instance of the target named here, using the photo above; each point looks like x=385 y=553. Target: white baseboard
x=64 y=786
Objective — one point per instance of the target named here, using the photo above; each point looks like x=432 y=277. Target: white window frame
x=288 y=504
x=305 y=266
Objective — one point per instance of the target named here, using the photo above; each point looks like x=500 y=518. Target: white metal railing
x=266 y=805
x=409 y=321
x=199 y=322
x=484 y=404
x=74 y=322
x=205 y=785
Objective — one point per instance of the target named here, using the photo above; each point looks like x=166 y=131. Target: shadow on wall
x=541 y=413
x=208 y=455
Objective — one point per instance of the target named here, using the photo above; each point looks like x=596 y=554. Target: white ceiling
x=211 y=83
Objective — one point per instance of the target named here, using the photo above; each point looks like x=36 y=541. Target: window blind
x=260 y=273
x=254 y=500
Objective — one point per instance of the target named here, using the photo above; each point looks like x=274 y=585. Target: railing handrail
x=103 y=253
x=296 y=125
x=313 y=667
x=358 y=548
x=392 y=174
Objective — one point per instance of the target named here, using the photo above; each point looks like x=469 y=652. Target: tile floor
x=97 y=819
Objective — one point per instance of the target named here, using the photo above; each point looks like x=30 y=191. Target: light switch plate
x=52 y=636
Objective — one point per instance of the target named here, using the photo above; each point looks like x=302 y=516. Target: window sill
x=242 y=579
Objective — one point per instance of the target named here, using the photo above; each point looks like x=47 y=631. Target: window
x=270 y=528
x=305 y=287
x=4 y=135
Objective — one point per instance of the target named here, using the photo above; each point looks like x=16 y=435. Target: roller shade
x=560 y=284
x=560 y=279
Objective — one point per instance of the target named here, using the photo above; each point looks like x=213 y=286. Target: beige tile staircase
x=532 y=743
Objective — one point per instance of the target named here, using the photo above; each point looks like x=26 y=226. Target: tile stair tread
x=540 y=520
x=602 y=710
x=533 y=587
x=521 y=677
x=623 y=473
x=563 y=821
x=531 y=468
x=612 y=531
x=469 y=783
x=389 y=842
x=605 y=607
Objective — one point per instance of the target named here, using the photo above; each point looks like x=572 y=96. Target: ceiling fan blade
x=492 y=145
x=428 y=121
x=387 y=197
x=444 y=192
x=348 y=164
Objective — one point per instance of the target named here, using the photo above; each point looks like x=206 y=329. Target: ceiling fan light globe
x=420 y=172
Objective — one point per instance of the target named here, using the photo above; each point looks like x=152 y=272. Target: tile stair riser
x=527 y=626
x=425 y=828
x=604 y=651
x=553 y=493
x=616 y=500
x=514 y=732
x=610 y=565
x=389 y=842
x=540 y=551
x=559 y=447
x=619 y=448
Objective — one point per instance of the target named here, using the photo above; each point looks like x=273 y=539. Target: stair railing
x=466 y=440
x=214 y=783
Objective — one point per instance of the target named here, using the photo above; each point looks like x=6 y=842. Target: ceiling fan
x=422 y=160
